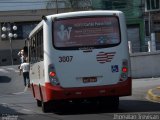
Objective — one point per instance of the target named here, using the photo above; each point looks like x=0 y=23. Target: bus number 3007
x=65 y=58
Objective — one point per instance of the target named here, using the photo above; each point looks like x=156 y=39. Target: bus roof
x=85 y=13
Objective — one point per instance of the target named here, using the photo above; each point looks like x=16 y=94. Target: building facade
x=25 y=15
x=152 y=21
x=143 y=21
x=142 y=17
x=133 y=10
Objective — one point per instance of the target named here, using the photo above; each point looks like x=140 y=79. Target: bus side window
x=36 y=47
x=40 y=45
x=32 y=50
x=41 y=50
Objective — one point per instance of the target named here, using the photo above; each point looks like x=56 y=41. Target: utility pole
x=57 y=6
x=8 y=32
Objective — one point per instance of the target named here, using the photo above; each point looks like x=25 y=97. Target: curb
x=153 y=97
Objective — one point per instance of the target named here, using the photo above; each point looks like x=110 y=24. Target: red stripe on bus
x=51 y=92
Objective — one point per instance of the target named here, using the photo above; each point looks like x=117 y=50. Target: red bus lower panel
x=50 y=92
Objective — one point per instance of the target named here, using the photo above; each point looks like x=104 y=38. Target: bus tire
x=39 y=103
x=46 y=107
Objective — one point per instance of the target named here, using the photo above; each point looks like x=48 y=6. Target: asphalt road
x=19 y=105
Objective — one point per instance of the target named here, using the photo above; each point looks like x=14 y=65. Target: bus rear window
x=75 y=33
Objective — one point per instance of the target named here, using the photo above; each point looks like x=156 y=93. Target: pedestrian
x=21 y=55
x=24 y=67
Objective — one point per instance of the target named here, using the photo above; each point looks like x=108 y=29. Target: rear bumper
x=50 y=92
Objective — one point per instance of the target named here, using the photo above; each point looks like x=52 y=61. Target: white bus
x=80 y=56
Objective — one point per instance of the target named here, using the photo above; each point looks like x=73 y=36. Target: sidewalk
x=154 y=94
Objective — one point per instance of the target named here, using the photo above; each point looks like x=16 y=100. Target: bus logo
x=103 y=57
x=114 y=68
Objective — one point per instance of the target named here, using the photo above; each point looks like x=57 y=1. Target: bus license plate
x=89 y=79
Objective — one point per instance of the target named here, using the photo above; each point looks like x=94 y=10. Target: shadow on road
x=126 y=106
x=83 y=108
x=139 y=106
x=6 y=111
x=5 y=79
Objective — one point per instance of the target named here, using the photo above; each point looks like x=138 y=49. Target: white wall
x=145 y=64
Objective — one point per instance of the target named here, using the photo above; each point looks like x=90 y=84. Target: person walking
x=21 y=55
x=24 y=67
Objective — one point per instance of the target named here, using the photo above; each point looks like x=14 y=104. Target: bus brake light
x=52 y=74
x=124 y=69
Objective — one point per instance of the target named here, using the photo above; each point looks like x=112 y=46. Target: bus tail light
x=124 y=70
x=52 y=75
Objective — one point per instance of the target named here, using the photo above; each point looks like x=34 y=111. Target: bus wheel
x=39 y=103
x=46 y=107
